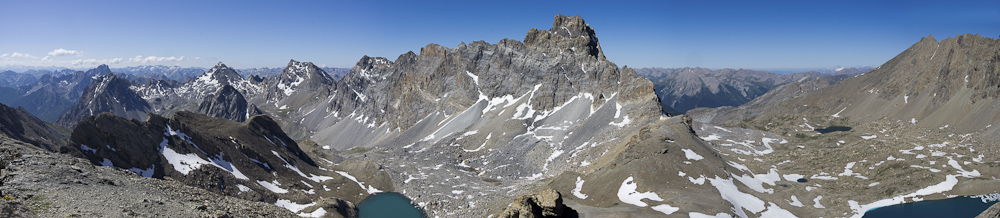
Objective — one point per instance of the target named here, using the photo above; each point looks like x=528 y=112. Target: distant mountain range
x=683 y=89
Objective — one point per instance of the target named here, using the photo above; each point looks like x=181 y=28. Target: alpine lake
x=388 y=204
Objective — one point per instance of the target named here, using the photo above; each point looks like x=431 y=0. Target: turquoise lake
x=388 y=204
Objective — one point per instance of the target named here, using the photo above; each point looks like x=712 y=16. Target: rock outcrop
x=991 y=212
x=545 y=203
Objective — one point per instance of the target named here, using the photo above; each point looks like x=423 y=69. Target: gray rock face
x=228 y=103
x=107 y=93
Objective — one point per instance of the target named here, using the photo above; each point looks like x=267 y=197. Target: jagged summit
x=298 y=74
x=368 y=67
x=568 y=34
x=221 y=74
x=100 y=70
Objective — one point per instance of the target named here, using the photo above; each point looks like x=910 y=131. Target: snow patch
x=579 y=187
x=628 y=194
x=691 y=155
x=292 y=206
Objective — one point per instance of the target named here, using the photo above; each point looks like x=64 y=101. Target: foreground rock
x=991 y=212
x=39 y=183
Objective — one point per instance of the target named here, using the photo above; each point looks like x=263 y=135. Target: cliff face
x=228 y=103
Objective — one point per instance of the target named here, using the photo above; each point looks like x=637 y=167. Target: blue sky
x=245 y=34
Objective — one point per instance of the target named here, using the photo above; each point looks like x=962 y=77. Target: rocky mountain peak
x=219 y=74
x=372 y=68
x=572 y=27
x=567 y=35
x=228 y=103
x=298 y=74
x=100 y=70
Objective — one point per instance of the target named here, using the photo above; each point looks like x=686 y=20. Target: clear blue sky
x=245 y=34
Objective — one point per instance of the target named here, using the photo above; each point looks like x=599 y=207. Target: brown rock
x=546 y=203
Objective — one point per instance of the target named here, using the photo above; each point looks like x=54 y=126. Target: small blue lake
x=952 y=207
x=388 y=204
x=833 y=129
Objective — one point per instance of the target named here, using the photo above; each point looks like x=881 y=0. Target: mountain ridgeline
x=683 y=89
x=534 y=102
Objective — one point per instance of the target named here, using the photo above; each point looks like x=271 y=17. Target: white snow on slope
x=711 y=137
x=579 y=187
x=691 y=155
x=273 y=186
x=316 y=213
x=292 y=206
x=628 y=194
x=370 y=189
x=666 y=209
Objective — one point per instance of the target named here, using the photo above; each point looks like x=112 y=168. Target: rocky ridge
x=683 y=89
x=253 y=160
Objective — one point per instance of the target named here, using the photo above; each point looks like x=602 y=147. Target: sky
x=670 y=34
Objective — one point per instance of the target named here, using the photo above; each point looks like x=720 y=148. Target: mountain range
x=683 y=89
x=543 y=127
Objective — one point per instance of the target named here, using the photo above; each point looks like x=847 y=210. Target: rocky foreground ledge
x=39 y=183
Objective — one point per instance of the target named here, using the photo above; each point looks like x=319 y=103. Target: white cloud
x=136 y=59
x=96 y=61
x=197 y=58
x=140 y=59
x=62 y=52
x=17 y=55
